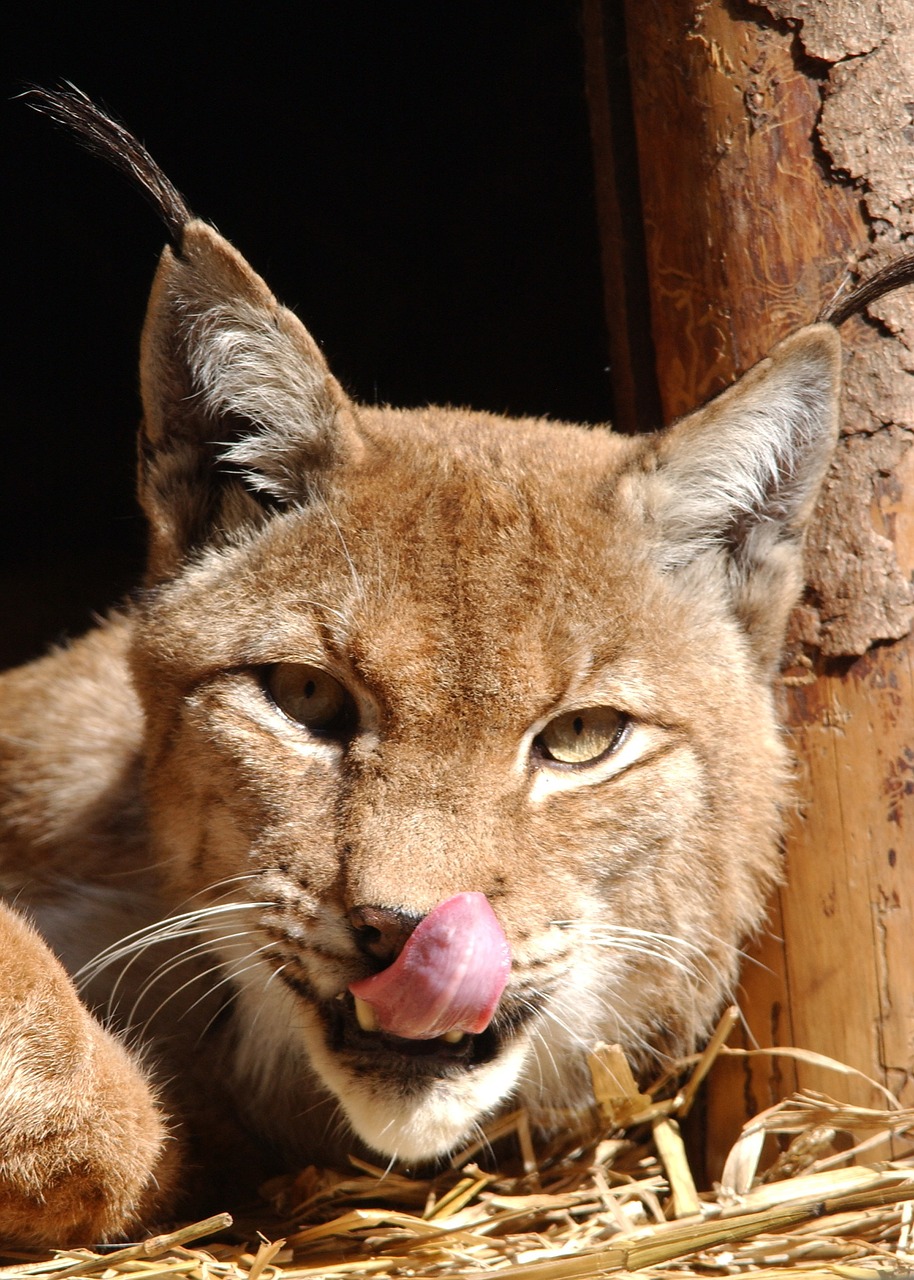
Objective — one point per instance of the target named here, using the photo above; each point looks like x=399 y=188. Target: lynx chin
x=436 y=746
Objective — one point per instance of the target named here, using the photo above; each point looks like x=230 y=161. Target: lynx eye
x=581 y=737
x=312 y=698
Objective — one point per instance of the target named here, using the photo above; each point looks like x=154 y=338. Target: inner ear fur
x=240 y=411
x=739 y=479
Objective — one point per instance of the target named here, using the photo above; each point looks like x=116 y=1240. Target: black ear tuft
x=241 y=414
x=103 y=135
x=893 y=275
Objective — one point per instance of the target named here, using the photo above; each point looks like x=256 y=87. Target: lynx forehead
x=437 y=746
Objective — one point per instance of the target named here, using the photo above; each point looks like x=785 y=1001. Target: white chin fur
x=429 y=1121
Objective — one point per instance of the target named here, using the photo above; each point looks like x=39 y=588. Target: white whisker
x=184 y=957
x=167 y=930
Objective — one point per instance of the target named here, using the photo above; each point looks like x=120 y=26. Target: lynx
x=435 y=747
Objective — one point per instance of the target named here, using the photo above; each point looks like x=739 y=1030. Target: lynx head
x=462 y=724
x=510 y=679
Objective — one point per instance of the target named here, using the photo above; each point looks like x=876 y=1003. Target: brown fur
x=467 y=579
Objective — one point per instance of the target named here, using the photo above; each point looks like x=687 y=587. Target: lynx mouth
x=352 y=1034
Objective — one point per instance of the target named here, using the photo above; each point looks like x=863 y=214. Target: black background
x=413 y=179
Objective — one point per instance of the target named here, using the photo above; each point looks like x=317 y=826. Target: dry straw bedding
x=615 y=1197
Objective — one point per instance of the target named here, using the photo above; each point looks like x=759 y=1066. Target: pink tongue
x=448 y=977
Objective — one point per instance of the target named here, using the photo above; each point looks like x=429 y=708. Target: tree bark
x=775 y=156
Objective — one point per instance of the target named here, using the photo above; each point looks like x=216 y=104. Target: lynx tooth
x=366 y=1016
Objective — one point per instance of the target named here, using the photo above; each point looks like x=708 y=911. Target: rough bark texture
x=866 y=128
x=776 y=154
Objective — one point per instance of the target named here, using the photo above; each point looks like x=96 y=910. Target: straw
x=613 y=1197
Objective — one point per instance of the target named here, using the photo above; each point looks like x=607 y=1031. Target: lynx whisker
x=539 y=1038
x=691 y=959
x=129 y=950
x=167 y=930
x=172 y=963
x=161 y=972
x=276 y=971
x=233 y=974
x=266 y=978
x=477 y=1137
x=747 y=958
x=219 y=967
x=209 y=890
x=667 y=957
x=629 y=1027
x=354 y=575
x=173 y=995
x=610 y=933
x=546 y=1012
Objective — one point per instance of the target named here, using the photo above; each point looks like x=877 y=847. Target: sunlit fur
x=193 y=854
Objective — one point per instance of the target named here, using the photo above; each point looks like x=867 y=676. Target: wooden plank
x=850 y=870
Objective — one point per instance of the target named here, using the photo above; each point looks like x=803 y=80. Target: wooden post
x=772 y=156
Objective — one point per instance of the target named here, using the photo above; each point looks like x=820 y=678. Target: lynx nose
x=381 y=932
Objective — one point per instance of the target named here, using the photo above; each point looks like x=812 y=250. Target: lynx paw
x=84 y=1151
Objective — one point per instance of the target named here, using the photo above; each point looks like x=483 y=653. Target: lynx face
x=509 y=679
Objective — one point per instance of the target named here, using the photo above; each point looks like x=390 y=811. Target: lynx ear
x=240 y=412
x=741 y=477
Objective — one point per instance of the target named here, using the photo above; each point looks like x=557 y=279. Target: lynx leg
x=84 y=1151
